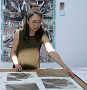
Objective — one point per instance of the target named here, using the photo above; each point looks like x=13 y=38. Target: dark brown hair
x=29 y=14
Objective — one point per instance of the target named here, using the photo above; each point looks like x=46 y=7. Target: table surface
x=56 y=72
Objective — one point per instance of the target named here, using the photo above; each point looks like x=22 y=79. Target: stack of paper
x=30 y=81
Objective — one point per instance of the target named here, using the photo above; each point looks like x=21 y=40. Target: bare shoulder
x=17 y=34
x=44 y=38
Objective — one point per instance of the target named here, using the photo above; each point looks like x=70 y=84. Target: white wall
x=71 y=33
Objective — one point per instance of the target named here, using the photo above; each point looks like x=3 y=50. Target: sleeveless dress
x=29 y=52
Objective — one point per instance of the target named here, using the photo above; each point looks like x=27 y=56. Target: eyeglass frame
x=35 y=23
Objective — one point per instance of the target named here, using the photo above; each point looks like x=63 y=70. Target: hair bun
x=33 y=5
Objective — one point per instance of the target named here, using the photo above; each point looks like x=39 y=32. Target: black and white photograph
x=60 y=83
x=24 y=81
x=20 y=86
x=24 y=85
x=62 y=8
x=20 y=76
x=14 y=12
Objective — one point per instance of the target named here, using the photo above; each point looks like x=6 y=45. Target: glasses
x=35 y=23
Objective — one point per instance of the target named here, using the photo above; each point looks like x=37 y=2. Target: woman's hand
x=68 y=71
x=17 y=68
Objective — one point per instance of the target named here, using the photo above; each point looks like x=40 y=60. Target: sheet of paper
x=19 y=76
x=81 y=74
x=2 y=76
x=30 y=85
x=21 y=86
x=1 y=87
x=60 y=83
x=22 y=81
x=30 y=81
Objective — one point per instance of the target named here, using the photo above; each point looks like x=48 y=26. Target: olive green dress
x=29 y=52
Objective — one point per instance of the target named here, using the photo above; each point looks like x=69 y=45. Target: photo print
x=30 y=84
x=20 y=76
x=14 y=12
x=60 y=83
x=21 y=86
x=62 y=8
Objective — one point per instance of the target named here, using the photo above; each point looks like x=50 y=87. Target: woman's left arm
x=54 y=55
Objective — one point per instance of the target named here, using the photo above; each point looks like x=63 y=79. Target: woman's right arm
x=14 y=50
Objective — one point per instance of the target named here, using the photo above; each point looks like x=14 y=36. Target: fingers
x=70 y=73
x=18 y=68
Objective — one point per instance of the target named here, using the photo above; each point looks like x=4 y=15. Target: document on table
x=30 y=80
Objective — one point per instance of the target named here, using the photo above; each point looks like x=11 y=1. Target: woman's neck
x=31 y=33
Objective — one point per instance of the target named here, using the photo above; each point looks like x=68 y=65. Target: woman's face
x=34 y=22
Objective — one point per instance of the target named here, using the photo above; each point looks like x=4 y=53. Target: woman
x=28 y=41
